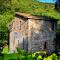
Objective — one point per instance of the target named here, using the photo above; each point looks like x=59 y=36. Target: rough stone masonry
x=32 y=33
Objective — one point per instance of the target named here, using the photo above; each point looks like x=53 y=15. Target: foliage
x=5 y=50
x=57 y=5
x=5 y=18
x=9 y=7
x=21 y=55
x=7 y=12
x=29 y=6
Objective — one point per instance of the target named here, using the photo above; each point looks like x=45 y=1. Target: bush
x=22 y=55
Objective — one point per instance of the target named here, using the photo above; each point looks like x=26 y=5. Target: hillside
x=30 y=6
x=9 y=7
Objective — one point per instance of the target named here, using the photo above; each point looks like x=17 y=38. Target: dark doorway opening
x=45 y=45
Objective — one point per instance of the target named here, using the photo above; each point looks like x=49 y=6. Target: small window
x=20 y=25
x=15 y=34
x=52 y=26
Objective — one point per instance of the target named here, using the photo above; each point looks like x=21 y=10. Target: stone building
x=32 y=33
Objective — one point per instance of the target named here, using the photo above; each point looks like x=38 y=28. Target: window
x=51 y=25
x=15 y=34
x=20 y=25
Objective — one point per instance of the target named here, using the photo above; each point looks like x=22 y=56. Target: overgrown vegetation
x=29 y=6
x=9 y=7
x=21 y=55
x=7 y=13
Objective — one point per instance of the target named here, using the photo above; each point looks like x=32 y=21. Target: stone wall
x=18 y=34
x=41 y=32
x=31 y=35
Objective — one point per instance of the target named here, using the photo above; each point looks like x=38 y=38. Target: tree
x=57 y=5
